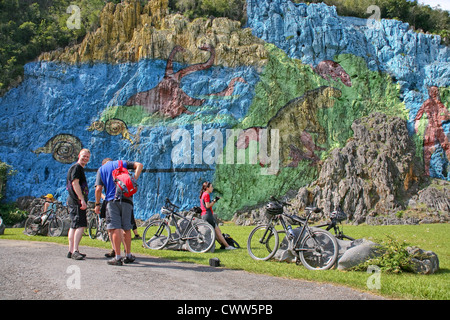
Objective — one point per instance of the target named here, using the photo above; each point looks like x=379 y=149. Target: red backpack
x=124 y=183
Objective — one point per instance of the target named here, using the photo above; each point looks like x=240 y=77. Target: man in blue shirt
x=118 y=207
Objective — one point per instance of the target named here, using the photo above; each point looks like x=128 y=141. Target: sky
x=445 y=4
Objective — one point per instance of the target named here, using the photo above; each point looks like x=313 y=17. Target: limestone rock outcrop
x=129 y=32
x=376 y=178
x=375 y=175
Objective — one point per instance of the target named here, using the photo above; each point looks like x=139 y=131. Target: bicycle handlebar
x=170 y=203
x=312 y=209
x=280 y=202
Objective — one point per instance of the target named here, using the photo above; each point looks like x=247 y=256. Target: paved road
x=36 y=270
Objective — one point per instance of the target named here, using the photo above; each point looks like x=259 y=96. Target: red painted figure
x=168 y=98
x=434 y=133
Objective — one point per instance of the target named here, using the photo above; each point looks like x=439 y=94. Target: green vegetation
x=5 y=171
x=404 y=285
x=394 y=257
x=28 y=28
x=11 y=214
x=233 y=9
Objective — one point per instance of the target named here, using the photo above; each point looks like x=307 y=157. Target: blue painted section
x=57 y=98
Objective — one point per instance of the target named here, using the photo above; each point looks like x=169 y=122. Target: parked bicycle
x=97 y=228
x=47 y=223
x=198 y=235
x=335 y=223
x=316 y=249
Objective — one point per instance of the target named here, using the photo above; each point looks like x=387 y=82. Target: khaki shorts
x=118 y=215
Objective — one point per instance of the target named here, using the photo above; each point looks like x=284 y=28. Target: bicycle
x=46 y=223
x=97 y=228
x=199 y=236
x=336 y=217
x=316 y=249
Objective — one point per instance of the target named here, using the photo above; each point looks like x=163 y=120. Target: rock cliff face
x=376 y=178
x=314 y=33
x=377 y=170
x=129 y=32
x=376 y=173
x=152 y=86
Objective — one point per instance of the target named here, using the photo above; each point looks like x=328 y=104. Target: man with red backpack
x=119 y=189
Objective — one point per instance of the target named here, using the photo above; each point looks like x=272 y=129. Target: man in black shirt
x=77 y=203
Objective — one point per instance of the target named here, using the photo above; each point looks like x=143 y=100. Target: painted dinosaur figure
x=299 y=128
x=168 y=98
x=437 y=113
x=329 y=68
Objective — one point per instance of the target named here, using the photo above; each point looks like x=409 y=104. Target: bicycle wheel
x=156 y=235
x=262 y=243
x=319 y=250
x=30 y=227
x=200 y=238
x=55 y=227
x=93 y=228
x=103 y=231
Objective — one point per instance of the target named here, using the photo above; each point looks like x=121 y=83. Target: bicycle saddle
x=313 y=209
x=297 y=218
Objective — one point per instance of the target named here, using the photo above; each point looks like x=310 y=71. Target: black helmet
x=338 y=214
x=274 y=208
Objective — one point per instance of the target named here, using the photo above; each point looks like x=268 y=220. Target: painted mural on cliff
x=71 y=107
x=318 y=78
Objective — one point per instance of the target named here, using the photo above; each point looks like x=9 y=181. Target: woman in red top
x=208 y=215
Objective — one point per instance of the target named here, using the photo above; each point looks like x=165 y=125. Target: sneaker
x=230 y=248
x=129 y=260
x=112 y=254
x=78 y=256
x=69 y=255
x=114 y=262
x=137 y=237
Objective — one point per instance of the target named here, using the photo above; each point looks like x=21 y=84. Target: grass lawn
x=434 y=237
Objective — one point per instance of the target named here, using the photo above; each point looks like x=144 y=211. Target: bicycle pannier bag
x=124 y=183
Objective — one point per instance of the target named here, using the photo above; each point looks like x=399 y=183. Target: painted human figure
x=437 y=113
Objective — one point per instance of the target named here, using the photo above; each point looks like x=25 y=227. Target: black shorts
x=209 y=217
x=77 y=216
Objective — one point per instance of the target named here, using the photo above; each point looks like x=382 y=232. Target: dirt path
x=36 y=270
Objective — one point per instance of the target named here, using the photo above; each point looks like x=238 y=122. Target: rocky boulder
x=355 y=252
x=377 y=171
x=377 y=178
x=423 y=262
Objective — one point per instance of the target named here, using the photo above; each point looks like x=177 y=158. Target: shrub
x=394 y=258
x=11 y=215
